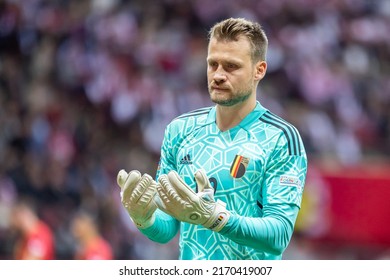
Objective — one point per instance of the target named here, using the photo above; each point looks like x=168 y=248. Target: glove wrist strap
x=146 y=223
x=219 y=219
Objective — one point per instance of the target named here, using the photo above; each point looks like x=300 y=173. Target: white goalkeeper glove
x=181 y=202
x=137 y=195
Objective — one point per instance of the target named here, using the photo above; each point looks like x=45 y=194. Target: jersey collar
x=256 y=113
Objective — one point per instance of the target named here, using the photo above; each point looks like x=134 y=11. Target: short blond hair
x=230 y=29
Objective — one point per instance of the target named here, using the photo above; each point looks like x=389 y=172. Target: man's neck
x=228 y=117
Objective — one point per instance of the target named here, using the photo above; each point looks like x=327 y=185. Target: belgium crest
x=239 y=165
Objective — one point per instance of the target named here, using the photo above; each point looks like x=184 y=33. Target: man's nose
x=219 y=76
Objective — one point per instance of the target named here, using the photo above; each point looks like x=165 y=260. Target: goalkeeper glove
x=180 y=201
x=137 y=196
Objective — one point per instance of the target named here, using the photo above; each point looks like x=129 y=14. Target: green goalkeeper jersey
x=258 y=168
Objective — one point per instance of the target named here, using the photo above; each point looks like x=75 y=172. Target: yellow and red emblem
x=239 y=165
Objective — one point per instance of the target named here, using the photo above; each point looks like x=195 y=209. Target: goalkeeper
x=231 y=176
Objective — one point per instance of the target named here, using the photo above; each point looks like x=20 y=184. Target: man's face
x=230 y=71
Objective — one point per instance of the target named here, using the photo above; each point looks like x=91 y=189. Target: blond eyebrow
x=224 y=61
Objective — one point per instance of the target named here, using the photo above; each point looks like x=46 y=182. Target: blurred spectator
x=91 y=245
x=34 y=240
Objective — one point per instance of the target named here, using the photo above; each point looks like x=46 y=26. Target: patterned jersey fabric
x=255 y=168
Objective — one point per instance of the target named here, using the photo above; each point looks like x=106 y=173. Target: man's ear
x=260 y=70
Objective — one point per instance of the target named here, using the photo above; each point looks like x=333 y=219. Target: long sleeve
x=271 y=233
x=163 y=229
x=281 y=199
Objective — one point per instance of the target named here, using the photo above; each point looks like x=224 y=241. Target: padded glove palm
x=181 y=202
x=137 y=195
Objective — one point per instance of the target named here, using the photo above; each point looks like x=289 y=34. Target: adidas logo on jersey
x=186 y=160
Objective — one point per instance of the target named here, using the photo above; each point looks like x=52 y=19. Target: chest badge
x=239 y=165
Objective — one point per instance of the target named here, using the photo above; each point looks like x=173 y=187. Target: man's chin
x=230 y=102
x=220 y=98
x=226 y=103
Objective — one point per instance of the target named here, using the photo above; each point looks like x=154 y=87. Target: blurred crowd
x=87 y=88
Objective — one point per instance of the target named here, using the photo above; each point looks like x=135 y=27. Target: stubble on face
x=238 y=85
x=232 y=99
